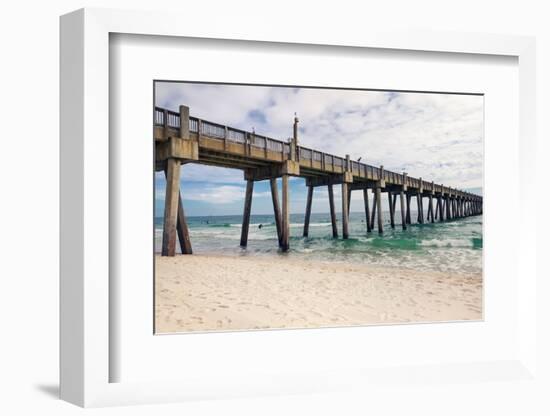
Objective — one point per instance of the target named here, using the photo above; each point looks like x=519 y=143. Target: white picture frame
x=86 y=265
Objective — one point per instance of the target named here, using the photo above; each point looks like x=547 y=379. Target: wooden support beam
x=171 y=205
x=276 y=208
x=246 y=212
x=367 y=211
x=345 y=211
x=391 y=207
x=379 y=209
x=285 y=243
x=332 y=211
x=441 y=209
x=402 y=205
x=308 y=210
x=448 y=207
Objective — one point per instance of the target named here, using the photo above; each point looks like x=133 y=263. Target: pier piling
x=308 y=210
x=379 y=209
x=285 y=243
x=367 y=211
x=408 y=216
x=246 y=212
x=345 y=210
x=332 y=211
x=172 y=200
x=431 y=209
x=392 y=209
x=276 y=209
x=183 y=230
x=374 y=207
x=402 y=206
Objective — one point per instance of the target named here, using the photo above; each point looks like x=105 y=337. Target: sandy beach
x=204 y=293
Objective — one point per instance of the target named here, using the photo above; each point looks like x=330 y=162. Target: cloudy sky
x=437 y=137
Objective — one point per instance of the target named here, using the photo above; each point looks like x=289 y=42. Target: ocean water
x=454 y=246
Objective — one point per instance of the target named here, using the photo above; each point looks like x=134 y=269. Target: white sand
x=202 y=293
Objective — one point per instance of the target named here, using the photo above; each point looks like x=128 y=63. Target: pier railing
x=171 y=120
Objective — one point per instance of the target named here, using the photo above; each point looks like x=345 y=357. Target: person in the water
x=260 y=226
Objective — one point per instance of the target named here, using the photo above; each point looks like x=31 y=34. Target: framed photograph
x=283 y=213
x=398 y=249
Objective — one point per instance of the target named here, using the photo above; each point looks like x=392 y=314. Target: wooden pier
x=181 y=139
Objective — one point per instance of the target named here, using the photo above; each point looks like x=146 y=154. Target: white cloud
x=221 y=194
x=193 y=172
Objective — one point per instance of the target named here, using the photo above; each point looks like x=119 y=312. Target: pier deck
x=180 y=138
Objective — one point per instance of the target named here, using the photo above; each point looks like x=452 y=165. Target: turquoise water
x=449 y=246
